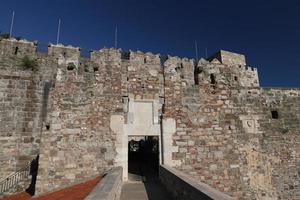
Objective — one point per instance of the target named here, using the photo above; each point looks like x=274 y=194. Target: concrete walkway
x=144 y=185
x=143 y=191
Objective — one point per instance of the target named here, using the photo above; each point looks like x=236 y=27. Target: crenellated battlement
x=141 y=58
x=25 y=47
x=106 y=54
x=229 y=58
x=57 y=50
x=64 y=54
x=19 y=48
x=229 y=67
x=179 y=69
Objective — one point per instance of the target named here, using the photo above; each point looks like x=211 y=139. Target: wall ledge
x=109 y=188
x=199 y=189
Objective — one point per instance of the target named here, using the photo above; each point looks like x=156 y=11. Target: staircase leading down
x=14 y=180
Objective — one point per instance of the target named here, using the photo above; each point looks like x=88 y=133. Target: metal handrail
x=12 y=180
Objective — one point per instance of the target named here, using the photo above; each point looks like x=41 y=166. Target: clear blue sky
x=266 y=31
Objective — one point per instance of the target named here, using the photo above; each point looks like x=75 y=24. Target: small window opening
x=235 y=78
x=274 y=114
x=145 y=60
x=197 y=71
x=212 y=79
x=125 y=55
x=163 y=59
x=64 y=54
x=96 y=69
x=214 y=89
x=71 y=66
x=47 y=127
x=86 y=68
x=16 y=50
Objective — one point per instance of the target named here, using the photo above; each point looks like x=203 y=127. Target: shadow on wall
x=156 y=191
x=34 y=166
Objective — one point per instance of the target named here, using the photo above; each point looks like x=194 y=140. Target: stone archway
x=142 y=119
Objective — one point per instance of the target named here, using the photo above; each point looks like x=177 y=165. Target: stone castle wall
x=226 y=136
x=216 y=120
x=79 y=143
x=24 y=96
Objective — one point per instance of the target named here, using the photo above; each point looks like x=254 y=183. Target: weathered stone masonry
x=217 y=124
x=226 y=137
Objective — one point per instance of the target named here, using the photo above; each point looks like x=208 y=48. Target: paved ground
x=144 y=185
x=143 y=191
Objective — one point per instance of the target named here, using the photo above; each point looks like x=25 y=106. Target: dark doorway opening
x=143 y=157
x=212 y=79
x=274 y=114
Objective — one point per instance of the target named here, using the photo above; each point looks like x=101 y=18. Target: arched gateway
x=142 y=123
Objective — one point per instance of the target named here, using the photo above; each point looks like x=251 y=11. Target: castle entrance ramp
x=143 y=165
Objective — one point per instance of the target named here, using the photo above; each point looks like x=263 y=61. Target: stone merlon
x=229 y=58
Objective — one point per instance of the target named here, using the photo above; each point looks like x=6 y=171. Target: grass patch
x=28 y=63
x=4 y=35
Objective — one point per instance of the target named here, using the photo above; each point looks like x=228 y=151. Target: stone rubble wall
x=221 y=131
x=273 y=163
x=233 y=75
x=80 y=144
x=143 y=76
x=24 y=97
x=229 y=58
x=202 y=147
x=17 y=48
